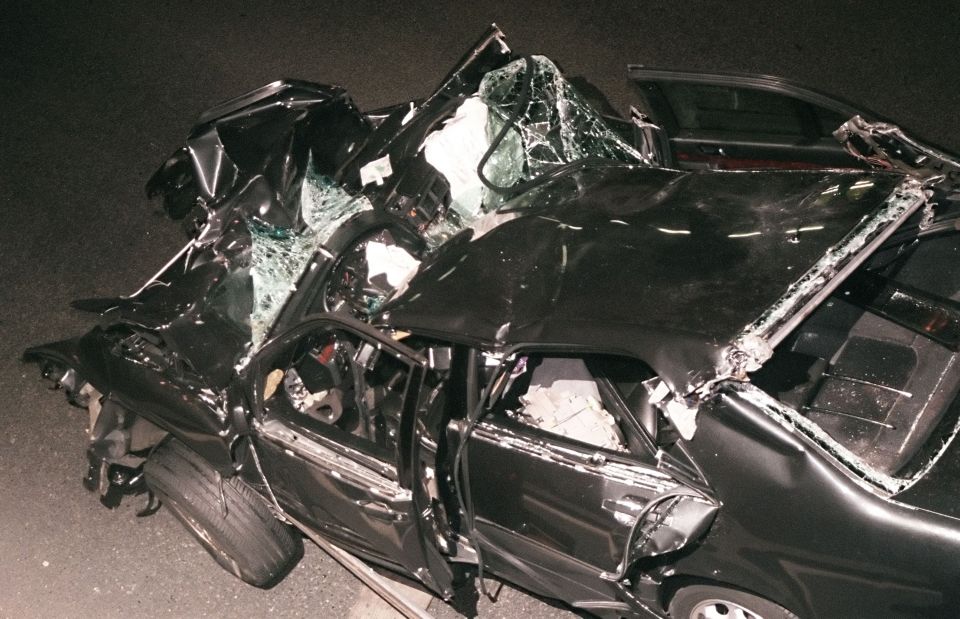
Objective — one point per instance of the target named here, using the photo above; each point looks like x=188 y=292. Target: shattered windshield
x=525 y=121
x=547 y=123
x=280 y=255
x=550 y=124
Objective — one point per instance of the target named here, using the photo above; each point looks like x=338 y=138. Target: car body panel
x=135 y=373
x=736 y=242
x=903 y=558
x=373 y=501
x=564 y=519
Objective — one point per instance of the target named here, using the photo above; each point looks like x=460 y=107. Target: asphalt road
x=94 y=95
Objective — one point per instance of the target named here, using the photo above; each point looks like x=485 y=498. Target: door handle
x=382 y=511
x=711 y=149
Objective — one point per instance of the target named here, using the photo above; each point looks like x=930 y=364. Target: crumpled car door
x=729 y=121
x=353 y=483
x=566 y=519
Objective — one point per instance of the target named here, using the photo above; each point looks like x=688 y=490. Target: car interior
x=335 y=381
x=880 y=379
x=599 y=400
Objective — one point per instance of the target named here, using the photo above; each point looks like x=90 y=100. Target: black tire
x=691 y=601
x=248 y=541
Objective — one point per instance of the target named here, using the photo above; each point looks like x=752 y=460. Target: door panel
x=560 y=497
x=347 y=499
x=335 y=402
x=723 y=121
x=565 y=519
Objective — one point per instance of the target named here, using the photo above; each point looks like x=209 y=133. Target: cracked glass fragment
x=556 y=125
x=280 y=255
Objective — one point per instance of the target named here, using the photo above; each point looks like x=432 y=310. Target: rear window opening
x=883 y=386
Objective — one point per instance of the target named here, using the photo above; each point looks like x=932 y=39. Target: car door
x=729 y=121
x=335 y=404
x=566 y=511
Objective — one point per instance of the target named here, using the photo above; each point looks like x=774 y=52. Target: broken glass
x=556 y=124
x=280 y=255
x=755 y=344
x=790 y=418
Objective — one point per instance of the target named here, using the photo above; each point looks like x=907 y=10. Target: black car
x=698 y=362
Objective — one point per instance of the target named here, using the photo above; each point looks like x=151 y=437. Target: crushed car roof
x=664 y=265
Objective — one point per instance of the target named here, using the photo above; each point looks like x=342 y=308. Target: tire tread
x=262 y=547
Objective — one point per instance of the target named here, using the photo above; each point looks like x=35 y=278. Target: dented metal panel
x=886 y=146
x=794 y=419
x=239 y=187
x=627 y=258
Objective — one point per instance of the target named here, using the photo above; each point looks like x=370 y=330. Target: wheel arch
x=671 y=585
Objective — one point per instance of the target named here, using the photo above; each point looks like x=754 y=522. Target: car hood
x=696 y=273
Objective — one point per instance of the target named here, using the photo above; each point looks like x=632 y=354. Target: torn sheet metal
x=676 y=523
x=265 y=180
x=240 y=175
x=249 y=155
x=886 y=146
x=755 y=344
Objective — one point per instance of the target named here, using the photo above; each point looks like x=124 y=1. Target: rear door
x=726 y=121
x=565 y=511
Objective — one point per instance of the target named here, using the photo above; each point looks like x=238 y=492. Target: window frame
x=609 y=393
x=376 y=456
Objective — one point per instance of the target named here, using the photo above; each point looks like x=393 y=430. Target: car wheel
x=710 y=602
x=234 y=526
